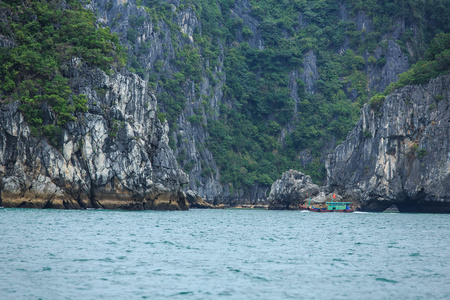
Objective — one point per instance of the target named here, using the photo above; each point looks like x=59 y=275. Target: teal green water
x=229 y=254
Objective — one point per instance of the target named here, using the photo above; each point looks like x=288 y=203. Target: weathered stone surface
x=155 y=45
x=392 y=209
x=116 y=156
x=195 y=201
x=242 y=10
x=291 y=190
x=400 y=154
x=396 y=63
x=310 y=73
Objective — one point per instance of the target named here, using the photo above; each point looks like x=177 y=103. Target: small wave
x=385 y=280
x=360 y=212
x=184 y=293
x=370 y=244
x=225 y=293
x=415 y=254
x=82 y=259
x=234 y=270
x=107 y=259
x=260 y=278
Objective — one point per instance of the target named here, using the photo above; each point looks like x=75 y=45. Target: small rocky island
x=292 y=190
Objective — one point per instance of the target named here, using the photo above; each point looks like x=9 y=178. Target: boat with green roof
x=343 y=207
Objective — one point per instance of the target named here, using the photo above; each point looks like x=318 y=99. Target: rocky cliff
x=116 y=156
x=399 y=153
x=181 y=49
x=153 y=42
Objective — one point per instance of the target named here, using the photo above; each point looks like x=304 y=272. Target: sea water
x=222 y=254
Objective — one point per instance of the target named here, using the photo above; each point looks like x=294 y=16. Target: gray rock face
x=241 y=10
x=399 y=154
x=195 y=201
x=291 y=190
x=6 y=42
x=154 y=45
x=310 y=73
x=392 y=209
x=114 y=156
x=380 y=76
x=396 y=63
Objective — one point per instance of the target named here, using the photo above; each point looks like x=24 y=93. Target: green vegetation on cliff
x=263 y=127
x=245 y=140
x=278 y=110
x=436 y=64
x=48 y=39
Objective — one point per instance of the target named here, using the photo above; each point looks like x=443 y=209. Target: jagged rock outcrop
x=399 y=154
x=380 y=75
x=392 y=209
x=116 y=156
x=195 y=201
x=291 y=190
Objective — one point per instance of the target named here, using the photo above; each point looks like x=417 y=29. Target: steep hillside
x=253 y=88
x=249 y=88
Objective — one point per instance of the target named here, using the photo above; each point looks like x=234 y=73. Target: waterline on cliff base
x=208 y=254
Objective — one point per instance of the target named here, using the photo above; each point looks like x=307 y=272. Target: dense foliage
x=47 y=38
x=246 y=140
x=262 y=128
x=261 y=131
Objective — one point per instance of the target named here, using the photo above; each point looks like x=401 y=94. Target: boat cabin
x=338 y=205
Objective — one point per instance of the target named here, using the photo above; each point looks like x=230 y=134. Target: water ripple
x=208 y=254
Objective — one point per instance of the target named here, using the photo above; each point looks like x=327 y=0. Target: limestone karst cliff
x=398 y=154
x=250 y=89
x=202 y=103
x=116 y=156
